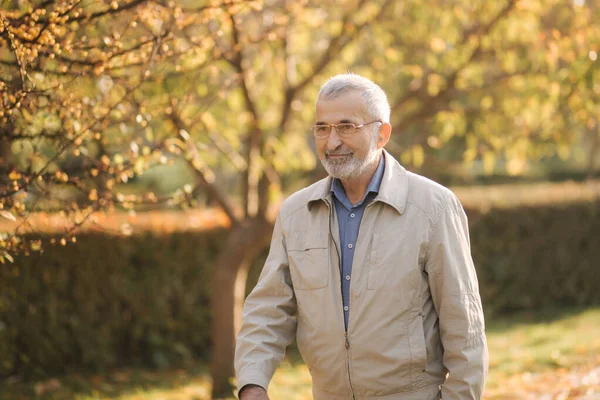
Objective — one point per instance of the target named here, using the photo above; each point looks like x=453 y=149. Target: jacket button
x=420 y=314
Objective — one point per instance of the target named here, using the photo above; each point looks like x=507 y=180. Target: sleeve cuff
x=252 y=378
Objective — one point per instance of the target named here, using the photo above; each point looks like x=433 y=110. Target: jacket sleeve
x=268 y=319
x=455 y=292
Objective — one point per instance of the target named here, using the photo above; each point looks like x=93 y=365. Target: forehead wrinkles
x=357 y=116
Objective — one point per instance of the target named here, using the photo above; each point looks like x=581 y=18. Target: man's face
x=350 y=157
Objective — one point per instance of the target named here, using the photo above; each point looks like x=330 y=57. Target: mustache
x=338 y=152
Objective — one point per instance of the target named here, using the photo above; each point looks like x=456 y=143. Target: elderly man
x=369 y=269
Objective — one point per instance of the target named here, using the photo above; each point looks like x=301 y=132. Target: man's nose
x=333 y=141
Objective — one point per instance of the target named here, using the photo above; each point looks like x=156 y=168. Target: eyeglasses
x=344 y=130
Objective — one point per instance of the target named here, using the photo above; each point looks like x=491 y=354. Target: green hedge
x=107 y=301
x=144 y=300
x=536 y=257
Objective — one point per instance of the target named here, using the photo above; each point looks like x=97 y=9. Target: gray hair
x=376 y=102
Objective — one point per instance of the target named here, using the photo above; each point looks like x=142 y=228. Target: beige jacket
x=416 y=327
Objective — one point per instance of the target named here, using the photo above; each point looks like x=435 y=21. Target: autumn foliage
x=93 y=94
x=97 y=95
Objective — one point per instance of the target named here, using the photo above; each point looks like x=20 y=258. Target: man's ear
x=385 y=131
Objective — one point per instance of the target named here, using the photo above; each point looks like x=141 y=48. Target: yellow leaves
x=93 y=195
x=437 y=45
x=62 y=176
x=7 y=215
x=25 y=113
x=552 y=55
x=529 y=5
x=487 y=102
x=126 y=229
x=510 y=61
x=14 y=175
x=150 y=196
x=434 y=142
x=564 y=151
x=99 y=69
x=105 y=84
x=461 y=14
x=470 y=155
x=435 y=83
x=6 y=256
x=209 y=121
x=378 y=63
x=516 y=166
x=255 y=5
x=414 y=156
x=489 y=162
x=36 y=245
x=554 y=89
x=517 y=83
x=139 y=166
x=392 y=54
x=413 y=70
x=418 y=156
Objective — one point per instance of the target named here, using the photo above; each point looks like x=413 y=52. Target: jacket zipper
x=346 y=341
x=347 y=345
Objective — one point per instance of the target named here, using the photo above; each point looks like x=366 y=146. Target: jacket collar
x=393 y=190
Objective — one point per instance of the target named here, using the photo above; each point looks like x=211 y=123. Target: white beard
x=350 y=167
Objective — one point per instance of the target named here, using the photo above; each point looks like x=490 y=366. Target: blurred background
x=145 y=147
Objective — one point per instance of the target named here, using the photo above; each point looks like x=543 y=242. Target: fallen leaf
x=7 y=215
x=50 y=385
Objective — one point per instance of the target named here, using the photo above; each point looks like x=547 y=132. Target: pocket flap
x=304 y=240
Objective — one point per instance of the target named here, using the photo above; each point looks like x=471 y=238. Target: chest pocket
x=308 y=257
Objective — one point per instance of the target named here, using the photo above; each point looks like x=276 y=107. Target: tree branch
x=88 y=17
x=253 y=141
x=430 y=108
x=451 y=78
x=13 y=46
x=202 y=171
x=335 y=47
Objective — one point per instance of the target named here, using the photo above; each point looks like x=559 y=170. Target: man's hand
x=253 y=392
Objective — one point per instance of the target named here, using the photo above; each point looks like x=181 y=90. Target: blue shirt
x=349 y=218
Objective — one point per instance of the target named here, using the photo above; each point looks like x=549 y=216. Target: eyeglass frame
x=331 y=126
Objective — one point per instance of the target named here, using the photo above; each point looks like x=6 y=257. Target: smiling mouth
x=338 y=155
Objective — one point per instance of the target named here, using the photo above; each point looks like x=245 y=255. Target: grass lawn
x=547 y=355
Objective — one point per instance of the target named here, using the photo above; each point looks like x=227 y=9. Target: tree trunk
x=595 y=134
x=244 y=243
